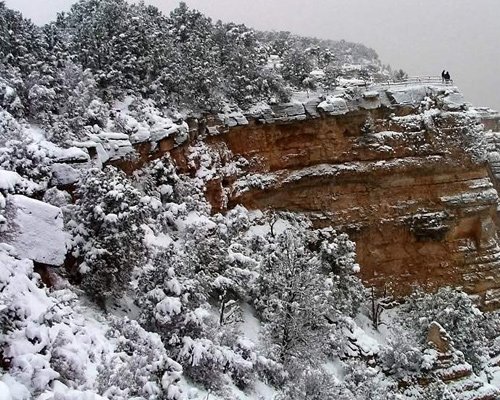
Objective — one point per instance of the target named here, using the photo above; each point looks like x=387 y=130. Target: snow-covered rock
x=407 y=95
x=117 y=145
x=59 y=154
x=294 y=110
x=232 y=117
x=36 y=230
x=334 y=106
x=454 y=101
x=4 y=392
x=64 y=174
x=311 y=107
x=96 y=150
x=9 y=180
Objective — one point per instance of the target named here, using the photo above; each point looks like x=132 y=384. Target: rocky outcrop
x=398 y=170
x=489 y=118
x=444 y=362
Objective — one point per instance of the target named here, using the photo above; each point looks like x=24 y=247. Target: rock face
x=401 y=169
x=403 y=179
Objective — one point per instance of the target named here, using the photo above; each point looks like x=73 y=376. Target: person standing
x=442 y=76
x=447 y=77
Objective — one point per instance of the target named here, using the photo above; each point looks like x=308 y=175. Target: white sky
x=421 y=36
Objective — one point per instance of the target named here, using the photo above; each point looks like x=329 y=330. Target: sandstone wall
x=421 y=209
x=398 y=169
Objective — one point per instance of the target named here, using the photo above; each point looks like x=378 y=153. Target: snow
x=279 y=226
x=361 y=343
x=59 y=154
x=348 y=82
x=37 y=230
x=371 y=94
x=5 y=392
x=195 y=218
x=9 y=180
x=251 y=325
x=113 y=136
x=161 y=240
x=264 y=391
x=168 y=307
x=17 y=390
x=453 y=101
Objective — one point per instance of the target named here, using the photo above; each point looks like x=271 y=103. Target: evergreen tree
x=297 y=65
x=106 y=227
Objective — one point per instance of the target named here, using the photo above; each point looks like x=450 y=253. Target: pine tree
x=106 y=227
x=293 y=298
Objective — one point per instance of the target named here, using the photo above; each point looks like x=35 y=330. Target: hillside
x=193 y=209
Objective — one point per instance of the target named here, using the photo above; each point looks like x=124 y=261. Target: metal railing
x=411 y=80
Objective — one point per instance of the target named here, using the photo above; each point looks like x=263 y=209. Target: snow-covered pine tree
x=297 y=65
x=199 y=83
x=292 y=299
x=107 y=232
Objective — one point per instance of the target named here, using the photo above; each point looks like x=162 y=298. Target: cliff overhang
x=401 y=169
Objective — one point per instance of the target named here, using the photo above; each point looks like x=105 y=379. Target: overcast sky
x=420 y=36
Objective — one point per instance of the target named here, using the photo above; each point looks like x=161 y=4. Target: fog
x=422 y=37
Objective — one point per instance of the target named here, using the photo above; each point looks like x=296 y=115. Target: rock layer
x=403 y=180
x=401 y=169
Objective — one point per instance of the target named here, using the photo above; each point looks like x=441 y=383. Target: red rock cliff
x=401 y=170
x=404 y=180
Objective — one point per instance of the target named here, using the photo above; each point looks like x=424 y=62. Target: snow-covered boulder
x=292 y=111
x=453 y=101
x=116 y=144
x=64 y=174
x=9 y=180
x=36 y=230
x=408 y=95
x=334 y=106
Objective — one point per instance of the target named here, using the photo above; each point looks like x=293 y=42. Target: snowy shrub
x=401 y=358
x=50 y=345
x=455 y=312
x=10 y=129
x=188 y=293
x=305 y=281
x=297 y=65
x=139 y=366
x=171 y=297
x=56 y=197
x=368 y=383
x=30 y=161
x=313 y=384
x=338 y=257
x=41 y=341
x=292 y=298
